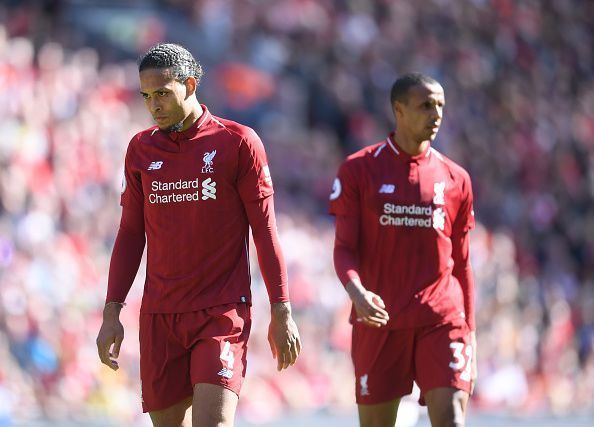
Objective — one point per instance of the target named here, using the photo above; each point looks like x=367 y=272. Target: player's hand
x=110 y=334
x=370 y=307
x=283 y=336
x=474 y=368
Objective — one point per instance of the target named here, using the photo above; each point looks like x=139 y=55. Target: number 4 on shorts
x=461 y=362
x=227 y=355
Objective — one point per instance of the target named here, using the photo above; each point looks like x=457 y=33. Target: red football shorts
x=388 y=361
x=179 y=350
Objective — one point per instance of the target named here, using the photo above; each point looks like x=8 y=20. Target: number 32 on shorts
x=462 y=359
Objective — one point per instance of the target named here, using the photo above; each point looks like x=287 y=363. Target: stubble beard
x=177 y=127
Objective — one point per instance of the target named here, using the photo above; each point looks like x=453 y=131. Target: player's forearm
x=466 y=280
x=463 y=273
x=280 y=310
x=355 y=289
x=270 y=255
x=346 y=265
x=125 y=260
x=112 y=310
x=346 y=262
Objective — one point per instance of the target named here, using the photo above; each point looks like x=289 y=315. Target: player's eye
x=162 y=93
x=144 y=95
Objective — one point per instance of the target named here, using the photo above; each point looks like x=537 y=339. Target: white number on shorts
x=227 y=355
x=461 y=362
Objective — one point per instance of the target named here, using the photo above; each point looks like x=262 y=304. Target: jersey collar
x=196 y=127
x=404 y=156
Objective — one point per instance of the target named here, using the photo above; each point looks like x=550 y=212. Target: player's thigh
x=383 y=362
x=172 y=416
x=213 y=406
x=220 y=356
x=164 y=363
x=443 y=357
x=446 y=406
x=379 y=415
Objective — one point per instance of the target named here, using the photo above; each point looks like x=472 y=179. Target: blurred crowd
x=313 y=78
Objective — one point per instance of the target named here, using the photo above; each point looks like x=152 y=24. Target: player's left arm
x=254 y=185
x=463 y=223
x=463 y=272
x=283 y=334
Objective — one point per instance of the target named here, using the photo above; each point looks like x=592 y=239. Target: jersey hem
x=451 y=319
x=247 y=299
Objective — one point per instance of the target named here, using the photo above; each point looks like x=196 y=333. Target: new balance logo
x=226 y=373
x=387 y=188
x=155 y=165
x=209 y=189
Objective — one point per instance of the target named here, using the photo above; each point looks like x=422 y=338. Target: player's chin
x=171 y=127
x=432 y=134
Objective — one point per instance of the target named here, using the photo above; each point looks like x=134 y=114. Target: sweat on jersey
x=402 y=229
x=194 y=195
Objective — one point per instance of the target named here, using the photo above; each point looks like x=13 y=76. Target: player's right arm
x=344 y=204
x=125 y=260
x=369 y=306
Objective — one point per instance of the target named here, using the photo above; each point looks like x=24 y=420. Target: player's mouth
x=433 y=128
x=160 y=119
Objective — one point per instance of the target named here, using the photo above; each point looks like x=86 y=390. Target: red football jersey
x=191 y=187
x=408 y=212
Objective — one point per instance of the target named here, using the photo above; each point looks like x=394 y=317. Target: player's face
x=420 y=117
x=165 y=98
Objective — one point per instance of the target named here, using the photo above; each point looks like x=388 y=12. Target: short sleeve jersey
x=191 y=187
x=408 y=210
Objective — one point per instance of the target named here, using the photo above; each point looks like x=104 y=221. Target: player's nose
x=436 y=117
x=154 y=105
x=155 y=110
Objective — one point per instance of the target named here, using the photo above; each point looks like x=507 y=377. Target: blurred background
x=313 y=78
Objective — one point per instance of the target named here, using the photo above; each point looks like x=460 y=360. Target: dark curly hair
x=174 y=56
x=402 y=85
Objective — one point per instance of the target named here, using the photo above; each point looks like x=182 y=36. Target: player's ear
x=191 y=85
x=397 y=108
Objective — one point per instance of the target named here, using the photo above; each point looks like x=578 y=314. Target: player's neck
x=194 y=115
x=409 y=145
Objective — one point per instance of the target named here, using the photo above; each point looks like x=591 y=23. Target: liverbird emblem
x=208 y=161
